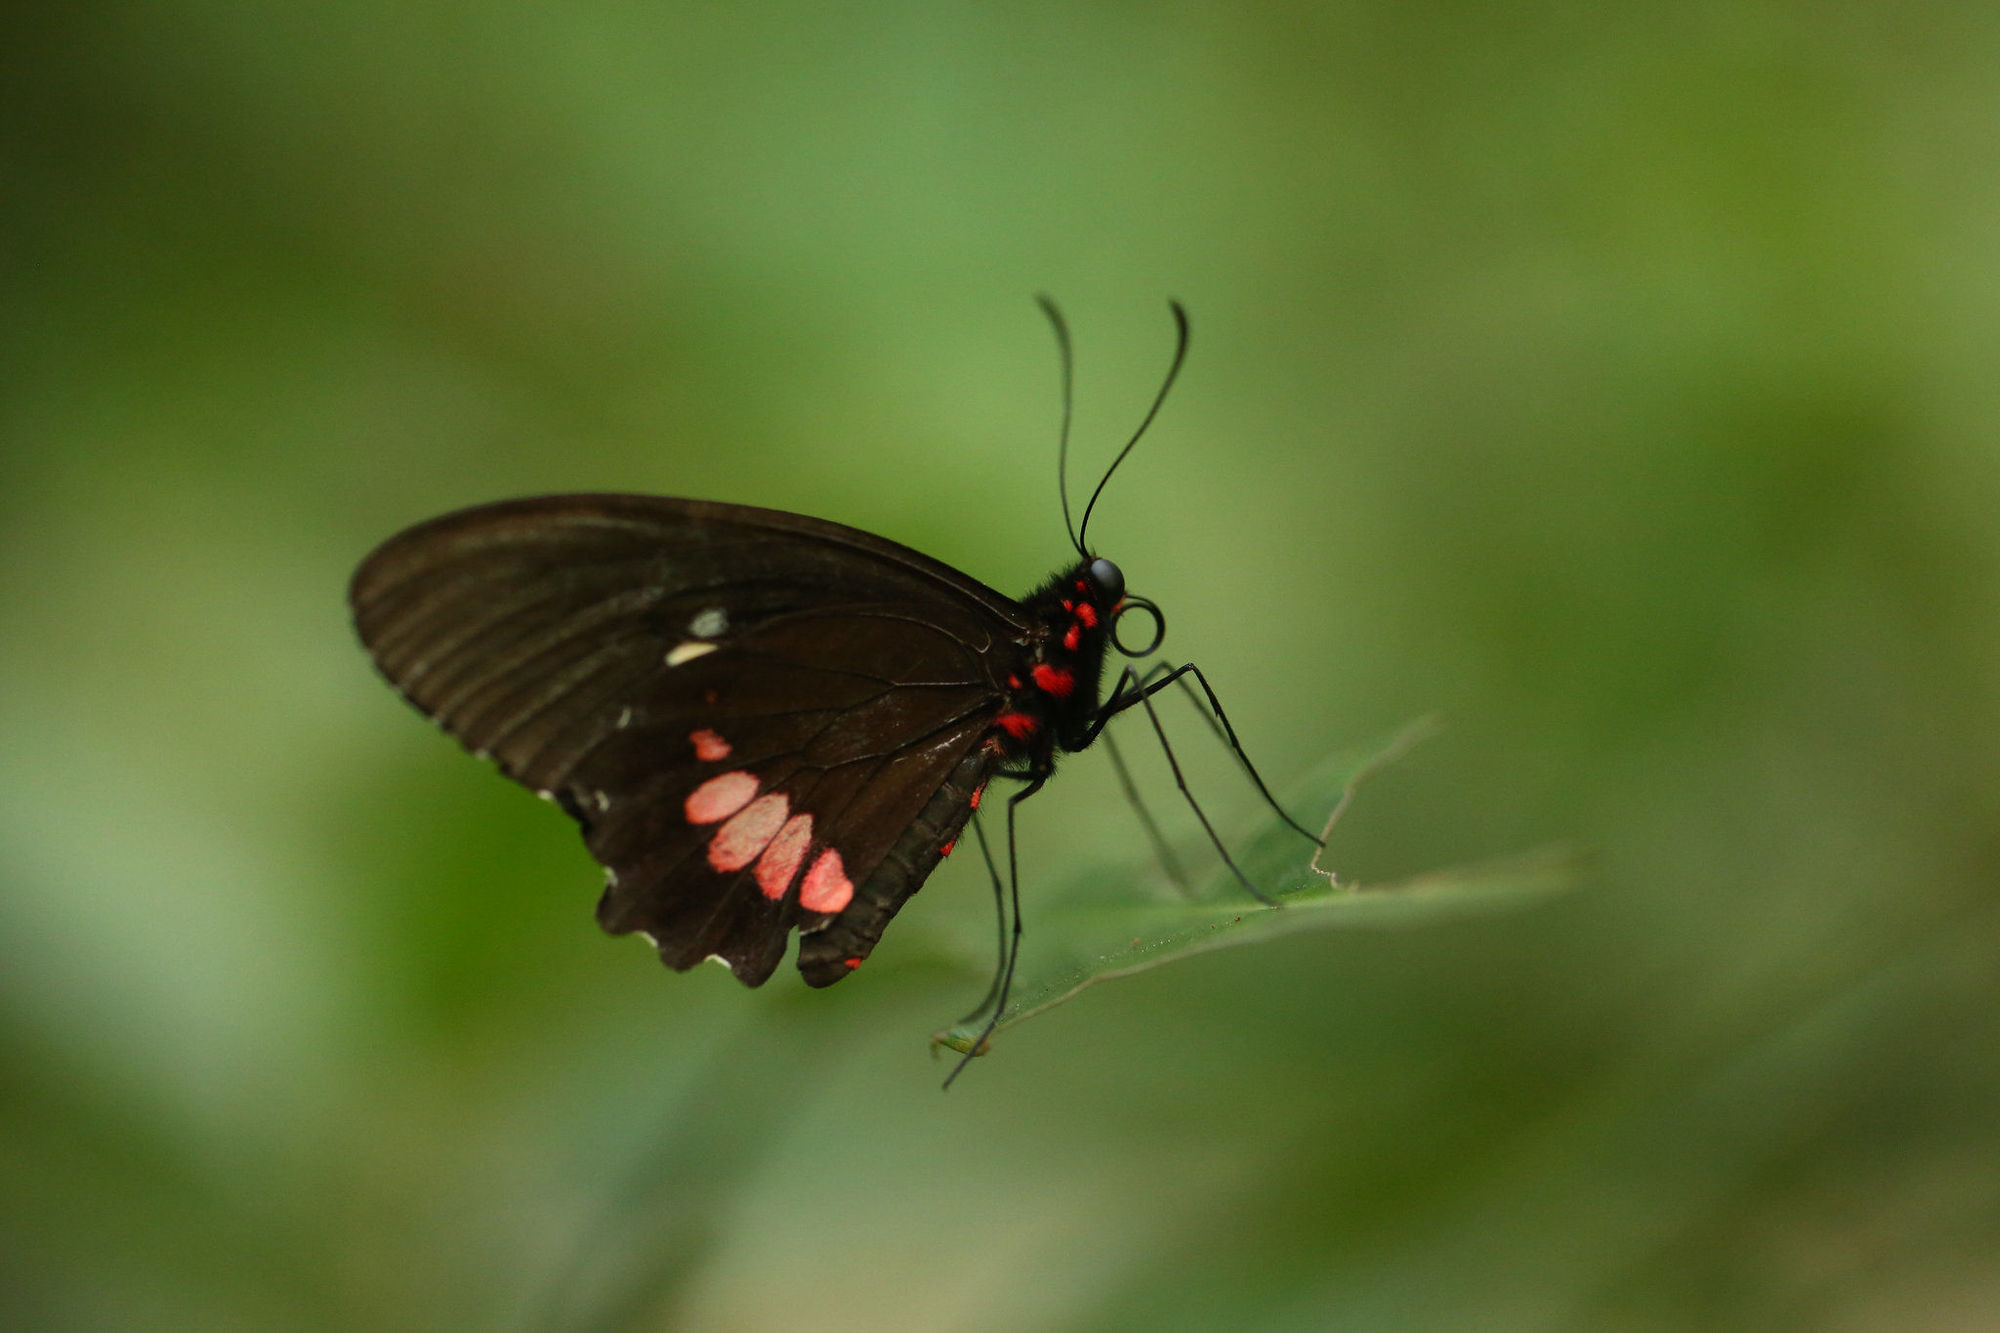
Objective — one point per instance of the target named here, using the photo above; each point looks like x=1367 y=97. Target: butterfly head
x=1102 y=583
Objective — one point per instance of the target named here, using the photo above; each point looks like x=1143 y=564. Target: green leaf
x=1084 y=937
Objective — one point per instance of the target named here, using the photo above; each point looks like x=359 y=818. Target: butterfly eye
x=1109 y=578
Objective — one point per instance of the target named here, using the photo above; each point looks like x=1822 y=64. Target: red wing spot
x=1072 y=637
x=720 y=797
x=1018 y=725
x=978 y=792
x=851 y=963
x=1054 y=680
x=749 y=831
x=1087 y=613
x=946 y=849
x=827 y=887
x=1068 y=605
x=780 y=861
x=708 y=746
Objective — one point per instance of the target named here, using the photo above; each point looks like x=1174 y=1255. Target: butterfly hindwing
x=751 y=886
x=747 y=711
x=854 y=769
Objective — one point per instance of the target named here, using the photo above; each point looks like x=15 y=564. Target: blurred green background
x=1620 y=384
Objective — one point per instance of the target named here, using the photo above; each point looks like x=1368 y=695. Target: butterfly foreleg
x=1168 y=862
x=1144 y=698
x=1156 y=678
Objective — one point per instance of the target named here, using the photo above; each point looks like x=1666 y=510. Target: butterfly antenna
x=1173 y=371
x=1062 y=448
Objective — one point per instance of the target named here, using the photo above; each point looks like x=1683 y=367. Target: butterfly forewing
x=746 y=710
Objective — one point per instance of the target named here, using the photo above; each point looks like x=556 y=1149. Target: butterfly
x=763 y=723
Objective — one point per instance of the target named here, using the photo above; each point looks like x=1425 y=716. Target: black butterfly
x=762 y=721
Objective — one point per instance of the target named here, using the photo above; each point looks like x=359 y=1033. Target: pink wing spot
x=748 y=832
x=946 y=849
x=1087 y=613
x=780 y=860
x=827 y=887
x=1054 y=680
x=978 y=792
x=1018 y=725
x=1072 y=637
x=708 y=746
x=720 y=797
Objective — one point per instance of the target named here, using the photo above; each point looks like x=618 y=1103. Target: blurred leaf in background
x=1619 y=383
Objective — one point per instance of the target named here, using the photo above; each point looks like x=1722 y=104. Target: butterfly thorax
x=1053 y=694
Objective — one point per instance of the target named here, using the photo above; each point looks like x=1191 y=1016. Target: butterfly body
x=762 y=722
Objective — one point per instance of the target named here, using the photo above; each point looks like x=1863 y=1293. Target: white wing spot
x=546 y=795
x=649 y=937
x=686 y=651
x=624 y=719
x=709 y=623
x=718 y=958
x=603 y=800
x=610 y=877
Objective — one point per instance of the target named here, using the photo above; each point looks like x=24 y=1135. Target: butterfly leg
x=1156 y=678
x=1144 y=697
x=1013 y=948
x=1161 y=850
x=1214 y=714
x=1000 y=920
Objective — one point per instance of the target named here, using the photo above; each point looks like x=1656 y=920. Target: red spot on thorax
x=1081 y=586
x=1087 y=615
x=1068 y=605
x=1072 y=637
x=1013 y=682
x=978 y=792
x=1054 y=680
x=1018 y=725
